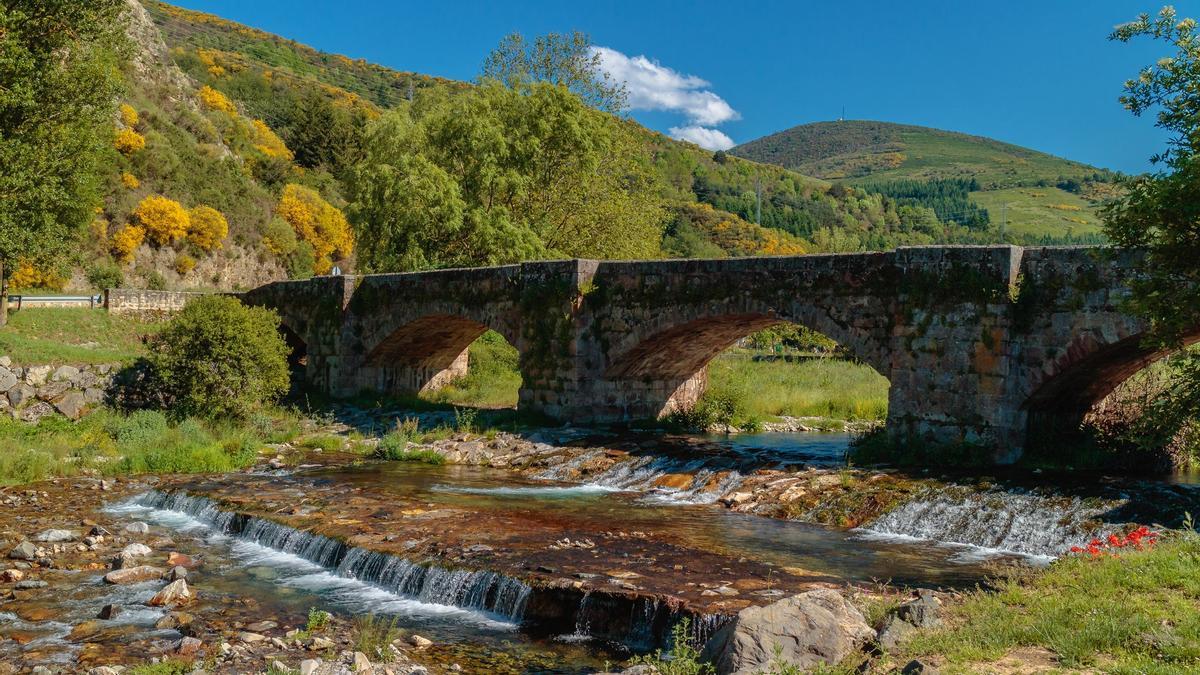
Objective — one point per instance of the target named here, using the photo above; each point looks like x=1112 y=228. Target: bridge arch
x=1070 y=385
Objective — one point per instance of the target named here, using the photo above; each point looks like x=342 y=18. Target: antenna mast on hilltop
x=758 y=200
x=843 y=117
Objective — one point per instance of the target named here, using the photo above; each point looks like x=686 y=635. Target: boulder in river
x=132 y=575
x=23 y=551
x=135 y=551
x=56 y=535
x=174 y=593
x=812 y=628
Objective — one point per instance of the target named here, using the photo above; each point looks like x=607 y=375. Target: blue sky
x=1035 y=73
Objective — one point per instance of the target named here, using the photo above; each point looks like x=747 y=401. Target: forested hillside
x=237 y=156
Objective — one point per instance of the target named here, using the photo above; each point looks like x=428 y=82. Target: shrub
x=215 y=100
x=219 y=358
x=129 y=141
x=184 y=263
x=318 y=223
x=105 y=275
x=126 y=241
x=154 y=280
x=266 y=142
x=165 y=219
x=130 y=181
x=373 y=634
x=279 y=237
x=129 y=115
x=27 y=276
x=207 y=228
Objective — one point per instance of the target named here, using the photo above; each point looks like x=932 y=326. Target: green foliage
x=220 y=358
x=323 y=442
x=559 y=59
x=880 y=447
x=1157 y=214
x=394 y=444
x=111 y=443
x=167 y=667
x=492 y=380
x=58 y=66
x=499 y=175
x=948 y=197
x=822 y=387
x=373 y=634
x=1133 y=613
x=684 y=657
x=105 y=275
x=318 y=620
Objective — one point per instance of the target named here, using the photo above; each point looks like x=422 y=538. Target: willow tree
x=564 y=59
x=59 y=78
x=502 y=174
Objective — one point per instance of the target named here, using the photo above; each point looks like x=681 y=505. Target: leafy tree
x=219 y=358
x=1159 y=213
x=498 y=175
x=58 y=86
x=557 y=58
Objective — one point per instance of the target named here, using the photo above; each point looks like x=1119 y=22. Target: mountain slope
x=860 y=151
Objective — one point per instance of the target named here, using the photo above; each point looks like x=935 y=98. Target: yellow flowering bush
x=215 y=100
x=129 y=115
x=130 y=181
x=207 y=228
x=269 y=144
x=165 y=219
x=28 y=276
x=129 y=141
x=126 y=240
x=317 y=222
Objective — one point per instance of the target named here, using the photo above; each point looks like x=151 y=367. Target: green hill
x=857 y=151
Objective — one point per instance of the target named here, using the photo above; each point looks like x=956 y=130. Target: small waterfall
x=642 y=474
x=482 y=590
x=1012 y=521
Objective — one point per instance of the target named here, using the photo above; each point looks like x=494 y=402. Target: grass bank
x=109 y=443
x=814 y=388
x=58 y=335
x=492 y=380
x=1138 y=612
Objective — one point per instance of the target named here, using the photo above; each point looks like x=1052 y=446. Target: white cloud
x=709 y=139
x=653 y=86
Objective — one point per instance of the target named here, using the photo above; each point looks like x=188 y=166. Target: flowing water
x=941 y=539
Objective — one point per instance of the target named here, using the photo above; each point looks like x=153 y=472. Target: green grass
x=373 y=634
x=1037 y=212
x=815 y=388
x=168 y=667
x=1139 y=613
x=492 y=378
x=57 y=335
x=111 y=443
x=323 y=442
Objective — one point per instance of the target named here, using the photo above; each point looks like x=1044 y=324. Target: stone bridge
x=991 y=345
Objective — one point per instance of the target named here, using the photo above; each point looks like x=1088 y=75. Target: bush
x=220 y=358
x=129 y=141
x=126 y=241
x=165 y=219
x=105 y=275
x=317 y=222
x=207 y=228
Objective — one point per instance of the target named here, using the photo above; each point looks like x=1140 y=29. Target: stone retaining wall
x=139 y=301
x=30 y=393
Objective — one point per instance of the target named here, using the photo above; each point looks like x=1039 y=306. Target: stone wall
x=140 y=301
x=30 y=393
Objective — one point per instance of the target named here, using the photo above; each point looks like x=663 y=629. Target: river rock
x=30 y=584
x=56 y=535
x=922 y=612
x=137 y=527
x=188 y=646
x=916 y=667
x=132 y=575
x=135 y=551
x=309 y=666
x=84 y=630
x=893 y=631
x=177 y=572
x=250 y=636
x=318 y=643
x=174 y=620
x=261 y=626
x=174 y=593
x=23 y=551
x=361 y=663
x=10 y=576
x=420 y=642
x=177 y=559
x=812 y=628
x=109 y=611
